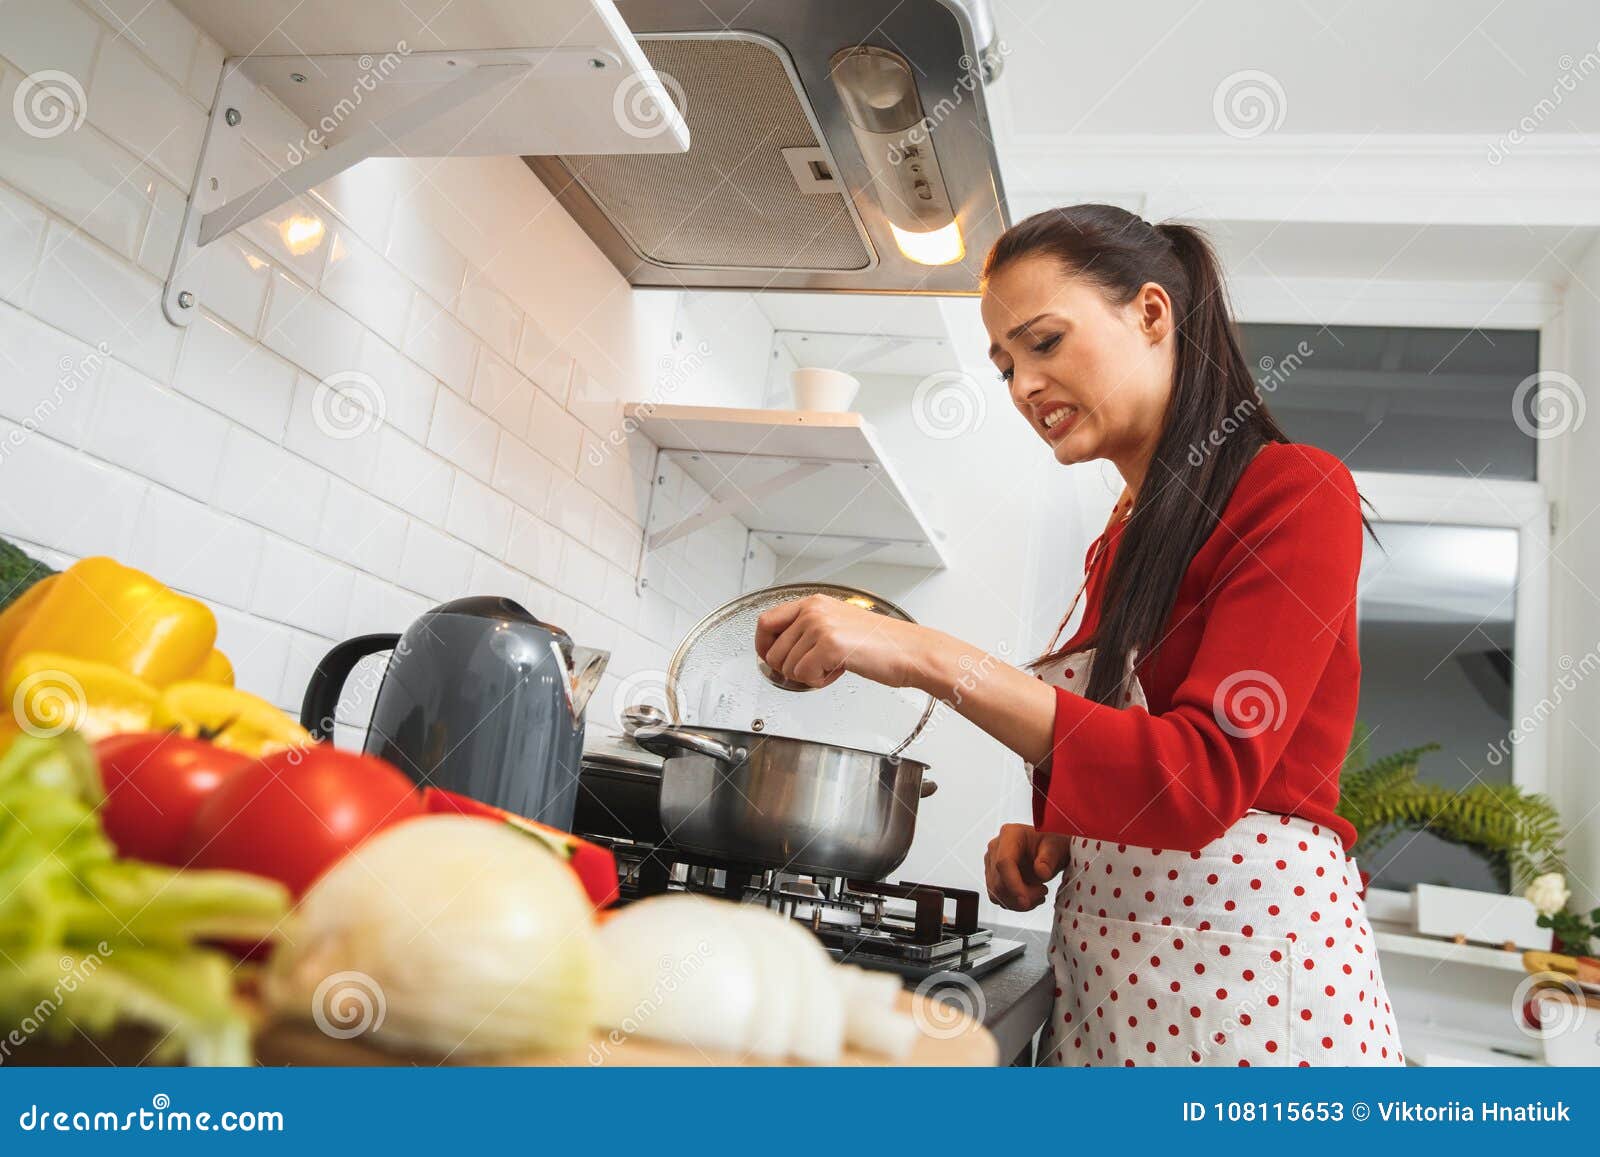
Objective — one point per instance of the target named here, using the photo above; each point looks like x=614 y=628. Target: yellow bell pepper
x=228 y=717
x=215 y=669
x=50 y=693
x=20 y=611
x=102 y=611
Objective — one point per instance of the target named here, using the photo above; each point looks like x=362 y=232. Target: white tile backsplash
x=236 y=378
x=463 y=435
x=310 y=331
x=197 y=453
x=263 y=483
x=435 y=564
x=81 y=174
x=150 y=114
x=440 y=344
x=301 y=587
x=85 y=290
x=36 y=35
x=196 y=549
x=366 y=286
x=21 y=238
x=479 y=515
x=153 y=431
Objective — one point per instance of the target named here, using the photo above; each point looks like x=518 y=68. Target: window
x=1437 y=615
x=1403 y=400
x=1452 y=606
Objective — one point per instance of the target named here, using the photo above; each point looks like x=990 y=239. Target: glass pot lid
x=716 y=680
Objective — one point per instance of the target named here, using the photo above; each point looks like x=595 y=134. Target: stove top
x=915 y=930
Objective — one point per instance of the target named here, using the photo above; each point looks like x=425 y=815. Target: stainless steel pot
x=740 y=797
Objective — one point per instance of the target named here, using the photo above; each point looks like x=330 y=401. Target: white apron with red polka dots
x=1253 y=951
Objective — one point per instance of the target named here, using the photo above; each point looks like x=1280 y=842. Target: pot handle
x=322 y=693
x=648 y=727
x=928 y=788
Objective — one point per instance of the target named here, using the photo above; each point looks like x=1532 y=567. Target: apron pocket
x=1165 y=995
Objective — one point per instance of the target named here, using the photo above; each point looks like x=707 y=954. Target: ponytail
x=1193 y=471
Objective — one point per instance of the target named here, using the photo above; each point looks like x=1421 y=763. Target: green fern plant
x=1517 y=833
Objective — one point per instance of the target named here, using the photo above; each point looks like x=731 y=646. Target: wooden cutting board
x=961 y=1041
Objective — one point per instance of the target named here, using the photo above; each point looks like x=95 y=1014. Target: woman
x=1186 y=740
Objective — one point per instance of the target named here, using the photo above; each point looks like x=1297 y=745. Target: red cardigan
x=1253 y=687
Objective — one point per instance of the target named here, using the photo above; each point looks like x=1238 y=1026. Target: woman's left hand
x=816 y=639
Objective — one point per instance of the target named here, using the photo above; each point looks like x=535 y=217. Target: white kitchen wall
x=479 y=345
x=1574 y=467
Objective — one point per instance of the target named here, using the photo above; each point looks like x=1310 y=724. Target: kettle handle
x=327 y=681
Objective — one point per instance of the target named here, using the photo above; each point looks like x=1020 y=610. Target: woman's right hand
x=1020 y=863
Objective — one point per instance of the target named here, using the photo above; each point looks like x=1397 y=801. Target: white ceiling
x=1344 y=66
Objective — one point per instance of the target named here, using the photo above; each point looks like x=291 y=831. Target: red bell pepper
x=594 y=866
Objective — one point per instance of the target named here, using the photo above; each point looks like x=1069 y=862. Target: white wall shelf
x=1404 y=942
x=480 y=78
x=814 y=487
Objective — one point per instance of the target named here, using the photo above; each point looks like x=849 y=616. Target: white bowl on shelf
x=819 y=389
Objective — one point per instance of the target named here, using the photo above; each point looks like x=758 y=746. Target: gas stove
x=915 y=930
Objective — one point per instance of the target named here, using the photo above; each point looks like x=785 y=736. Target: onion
x=450 y=934
x=741 y=980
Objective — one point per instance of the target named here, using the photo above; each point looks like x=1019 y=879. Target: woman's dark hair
x=1215 y=421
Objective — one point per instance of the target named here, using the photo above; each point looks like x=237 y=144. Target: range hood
x=835 y=145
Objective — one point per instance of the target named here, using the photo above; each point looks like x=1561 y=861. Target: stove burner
x=912 y=929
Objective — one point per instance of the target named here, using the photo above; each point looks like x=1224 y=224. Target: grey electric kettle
x=479 y=698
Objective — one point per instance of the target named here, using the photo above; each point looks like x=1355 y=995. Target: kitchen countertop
x=1016 y=996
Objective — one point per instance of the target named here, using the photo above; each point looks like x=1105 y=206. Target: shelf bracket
x=722 y=507
x=375 y=137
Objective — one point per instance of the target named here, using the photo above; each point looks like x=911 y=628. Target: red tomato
x=155 y=781
x=291 y=815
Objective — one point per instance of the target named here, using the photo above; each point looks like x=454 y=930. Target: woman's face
x=1092 y=378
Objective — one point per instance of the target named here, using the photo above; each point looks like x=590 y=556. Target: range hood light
x=939 y=247
x=879 y=94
